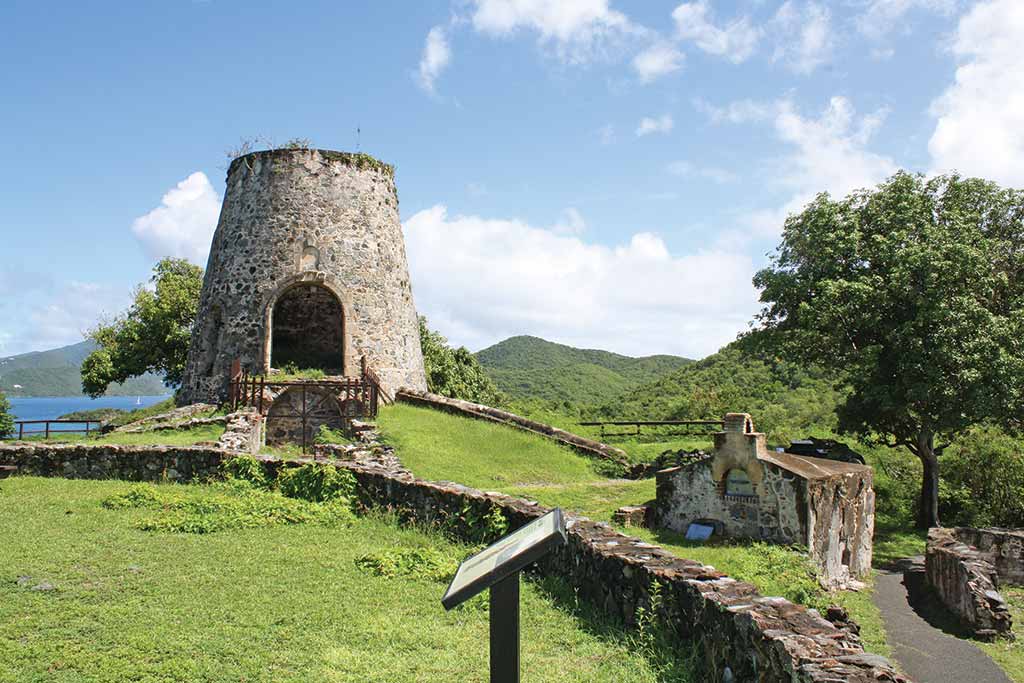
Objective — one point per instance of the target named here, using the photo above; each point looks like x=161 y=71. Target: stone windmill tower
x=307 y=268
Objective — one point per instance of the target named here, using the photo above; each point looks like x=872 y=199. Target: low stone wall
x=178 y=426
x=588 y=447
x=181 y=464
x=1003 y=547
x=743 y=636
x=243 y=431
x=966 y=582
x=171 y=418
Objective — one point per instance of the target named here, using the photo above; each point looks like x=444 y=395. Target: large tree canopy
x=914 y=292
x=454 y=372
x=152 y=335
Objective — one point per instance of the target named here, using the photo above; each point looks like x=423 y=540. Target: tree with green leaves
x=914 y=293
x=6 y=419
x=455 y=373
x=152 y=335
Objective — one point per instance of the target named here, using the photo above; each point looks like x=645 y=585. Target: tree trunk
x=928 y=513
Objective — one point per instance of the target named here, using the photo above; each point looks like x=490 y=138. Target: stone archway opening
x=308 y=330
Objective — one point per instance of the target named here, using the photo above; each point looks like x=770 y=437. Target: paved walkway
x=920 y=634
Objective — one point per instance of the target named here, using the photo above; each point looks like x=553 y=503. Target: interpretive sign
x=497 y=567
x=505 y=557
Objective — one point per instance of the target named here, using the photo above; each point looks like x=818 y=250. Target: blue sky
x=598 y=173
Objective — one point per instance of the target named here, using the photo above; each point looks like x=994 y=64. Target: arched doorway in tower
x=308 y=330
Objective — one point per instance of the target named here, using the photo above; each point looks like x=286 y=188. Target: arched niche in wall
x=737 y=483
x=307 y=329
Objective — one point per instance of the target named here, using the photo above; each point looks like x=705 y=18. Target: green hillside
x=784 y=399
x=56 y=373
x=533 y=368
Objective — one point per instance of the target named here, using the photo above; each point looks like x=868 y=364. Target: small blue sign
x=699 y=532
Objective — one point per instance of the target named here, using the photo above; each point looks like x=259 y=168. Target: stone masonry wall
x=305 y=218
x=1003 y=547
x=966 y=583
x=841 y=526
x=182 y=464
x=690 y=493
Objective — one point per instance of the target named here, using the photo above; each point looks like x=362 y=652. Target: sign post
x=497 y=567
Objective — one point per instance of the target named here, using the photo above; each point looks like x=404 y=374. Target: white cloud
x=578 y=29
x=828 y=153
x=436 y=57
x=803 y=36
x=687 y=169
x=56 y=315
x=736 y=41
x=480 y=280
x=183 y=224
x=649 y=125
x=741 y=111
x=657 y=61
x=980 y=127
x=882 y=16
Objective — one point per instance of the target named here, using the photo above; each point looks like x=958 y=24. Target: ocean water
x=52 y=407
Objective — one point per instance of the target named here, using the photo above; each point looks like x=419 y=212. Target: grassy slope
x=436 y=445
x=273 y=604
x=530 y=367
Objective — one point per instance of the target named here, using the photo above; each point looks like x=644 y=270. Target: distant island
x=56 y=373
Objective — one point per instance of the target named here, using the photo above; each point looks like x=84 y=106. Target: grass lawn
x=436 y=445
x=440 y=446
x=85 y=595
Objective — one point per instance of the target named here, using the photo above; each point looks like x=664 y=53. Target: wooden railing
x=248 y=390
x=46 y=431
x=655 y=423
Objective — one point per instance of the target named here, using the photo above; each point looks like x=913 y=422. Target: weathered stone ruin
x=307 y=268
x=743 y=490
x=964 y=567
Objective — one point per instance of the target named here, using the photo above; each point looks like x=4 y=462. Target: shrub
x=317 y=482
x=6 y=419
x=428 y=563
x=326 y=435
x=982 y=480
x=247 y=468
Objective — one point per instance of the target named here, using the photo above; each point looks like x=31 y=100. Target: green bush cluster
x=315 y=482
x=232 y=505
x=6 y=419
x=455 y=373
x=429 y=563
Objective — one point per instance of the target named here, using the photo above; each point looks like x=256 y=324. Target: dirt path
x=919 y=631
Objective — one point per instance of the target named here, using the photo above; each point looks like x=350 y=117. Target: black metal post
x=505 y=630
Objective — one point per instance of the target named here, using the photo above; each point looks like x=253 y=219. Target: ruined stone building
x=743 y=490
x=307 y=269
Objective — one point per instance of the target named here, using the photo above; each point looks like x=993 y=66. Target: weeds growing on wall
x=316 y=482
x=656 y=639
x=326 y=435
